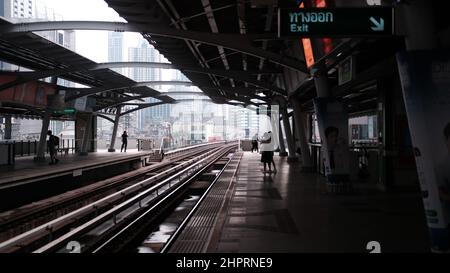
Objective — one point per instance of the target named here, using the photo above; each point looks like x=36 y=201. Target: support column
x=282 y=146
x=419 y=25
x=421 y=35
x=86 y=137
x=321 y=83
x=8 y=127
x=294 y=132
x=114 y=133
x=288 y=133
x=42 y=145
x=307 y=165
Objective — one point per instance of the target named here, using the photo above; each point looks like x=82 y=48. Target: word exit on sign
x=336 y=22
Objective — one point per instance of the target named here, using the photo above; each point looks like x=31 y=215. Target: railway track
x=98 y=222
x=20 y=220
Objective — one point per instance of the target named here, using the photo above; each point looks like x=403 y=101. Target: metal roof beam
x=191 y=45
x=243 y=76
x=118 y=102
x=142 y=106
x=237 y=42
x=90 y=91
x=213 y=25
x=105 y=117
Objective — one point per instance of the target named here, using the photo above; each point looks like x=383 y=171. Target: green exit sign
x=66 y=111
x=336 y=22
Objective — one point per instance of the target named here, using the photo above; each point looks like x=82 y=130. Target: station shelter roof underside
x=35 y=53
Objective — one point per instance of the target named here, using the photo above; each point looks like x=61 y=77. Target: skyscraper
x=115 y=49
x=147 y=53
x=115 y=54
x=17 y=8
x=144 y=53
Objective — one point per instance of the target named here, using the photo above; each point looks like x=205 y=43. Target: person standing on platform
x=52 y=143
x=255 y=143
x=267 y=151
x=124 y=141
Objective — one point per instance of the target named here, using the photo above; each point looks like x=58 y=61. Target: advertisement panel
x=332 y=120
x=425 y=79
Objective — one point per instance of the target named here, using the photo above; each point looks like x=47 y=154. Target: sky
x=91 y=44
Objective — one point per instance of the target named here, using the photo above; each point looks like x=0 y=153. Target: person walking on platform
x=255 y=143
x=124 y=141
x=267 y=150
x=52 y=143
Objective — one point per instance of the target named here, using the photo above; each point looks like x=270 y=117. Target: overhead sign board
x=336 y=22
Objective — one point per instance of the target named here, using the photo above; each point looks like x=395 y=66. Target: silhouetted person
x=52 y=143
x=255 y=143
x=443 y=171
x=267 y=152
x=124 y=141
x=332 y=134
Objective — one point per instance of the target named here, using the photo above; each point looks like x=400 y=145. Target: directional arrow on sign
x=378 y=25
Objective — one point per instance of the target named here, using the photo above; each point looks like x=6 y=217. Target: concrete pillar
x=321 y=83
x=301 y=134
x=419 y=25
x=8 y=127
x=84 y=147
x=42 y=145
x=282 y=146
x=294 y=132
x=288 y=133
x=114 y=133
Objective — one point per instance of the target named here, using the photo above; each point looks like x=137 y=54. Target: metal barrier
x=29 y=148
x=25 y=148
x=7 y=153
x=145 y=144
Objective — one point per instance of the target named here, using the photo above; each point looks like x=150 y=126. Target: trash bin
x=7 y=154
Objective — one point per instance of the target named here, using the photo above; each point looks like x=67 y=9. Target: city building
x=146 y=53
x=17 y=8
x=115 y=49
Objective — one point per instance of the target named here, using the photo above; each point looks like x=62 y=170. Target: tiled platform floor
x=292 y=212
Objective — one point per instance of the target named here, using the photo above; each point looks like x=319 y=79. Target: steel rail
x=161 y=202
x=11 y=218
x=56 y=224
x=56 y=244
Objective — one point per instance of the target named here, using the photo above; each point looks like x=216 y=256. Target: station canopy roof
x=252 y=20
x=36 y=53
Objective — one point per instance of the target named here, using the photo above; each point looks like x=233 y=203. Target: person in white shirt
x=267 y=149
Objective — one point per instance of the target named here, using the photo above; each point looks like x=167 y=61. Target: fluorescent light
x=257 y=101
x=235 y=101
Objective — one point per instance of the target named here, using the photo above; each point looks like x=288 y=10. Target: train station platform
x=26 y=170
x=34 y=180
x=291 y=211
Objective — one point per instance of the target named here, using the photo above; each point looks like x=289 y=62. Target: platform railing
x=30 y=147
